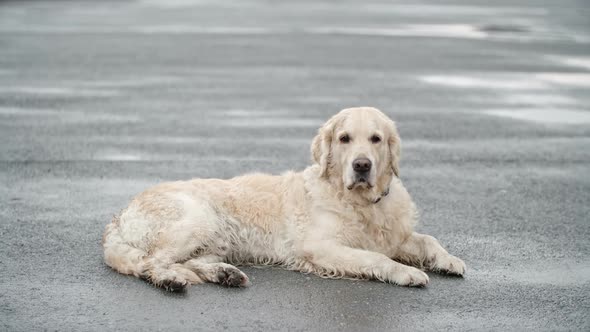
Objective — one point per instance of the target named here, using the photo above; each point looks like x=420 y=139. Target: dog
x=346 y=216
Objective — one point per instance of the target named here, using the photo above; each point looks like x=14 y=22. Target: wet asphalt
x=100 y=100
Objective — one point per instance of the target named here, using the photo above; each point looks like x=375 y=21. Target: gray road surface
x=99 y=100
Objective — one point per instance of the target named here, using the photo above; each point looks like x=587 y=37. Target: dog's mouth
x=360 y=181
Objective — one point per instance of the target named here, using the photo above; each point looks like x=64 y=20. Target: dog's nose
x=361 y=165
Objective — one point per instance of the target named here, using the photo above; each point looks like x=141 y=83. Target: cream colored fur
x=317 y=221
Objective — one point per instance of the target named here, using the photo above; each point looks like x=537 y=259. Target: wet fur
x=195 y=231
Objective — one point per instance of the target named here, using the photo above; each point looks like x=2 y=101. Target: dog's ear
x=395 y=145
x=321 y=147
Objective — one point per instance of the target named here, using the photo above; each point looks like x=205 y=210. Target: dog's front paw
x=410 y=276
x=450 y=265
x=232 y=277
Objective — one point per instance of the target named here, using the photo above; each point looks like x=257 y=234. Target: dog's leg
x=164 y=265
x=162 y=269
x=331 y=259
x=210 y=268
x=424 y=250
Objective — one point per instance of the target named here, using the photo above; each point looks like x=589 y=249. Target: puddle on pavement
x=573 y=61
x=567 y=79
x=117 y=156
x=547 y=116
x=57 y=91
x=123 y=156
x=537 y=99
x=408 y=30
x=474 y=82
x=509 y=81
x=54 y=116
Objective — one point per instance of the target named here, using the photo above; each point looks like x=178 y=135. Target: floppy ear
x=394 y=149
x=321 y=148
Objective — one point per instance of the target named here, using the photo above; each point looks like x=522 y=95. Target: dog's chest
x=371 y=229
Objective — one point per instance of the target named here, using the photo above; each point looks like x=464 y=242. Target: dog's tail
x=119 y=255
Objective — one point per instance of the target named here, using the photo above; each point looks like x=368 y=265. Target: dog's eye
x=375 y=139
x=344 y=138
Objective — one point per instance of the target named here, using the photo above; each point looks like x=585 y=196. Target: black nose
x=361 y=165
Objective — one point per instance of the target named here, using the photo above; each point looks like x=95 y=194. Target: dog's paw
x=232 y=277
x=174 y=284
x=451 y=265
x=411 y=276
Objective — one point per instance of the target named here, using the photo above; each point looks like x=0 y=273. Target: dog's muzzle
x=362 y=172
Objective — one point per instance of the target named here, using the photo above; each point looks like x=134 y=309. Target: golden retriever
x=346 y=216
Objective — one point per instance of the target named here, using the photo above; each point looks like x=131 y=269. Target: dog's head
x=359 y=147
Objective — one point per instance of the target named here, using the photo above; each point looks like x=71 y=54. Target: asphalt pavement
x=100 y=100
